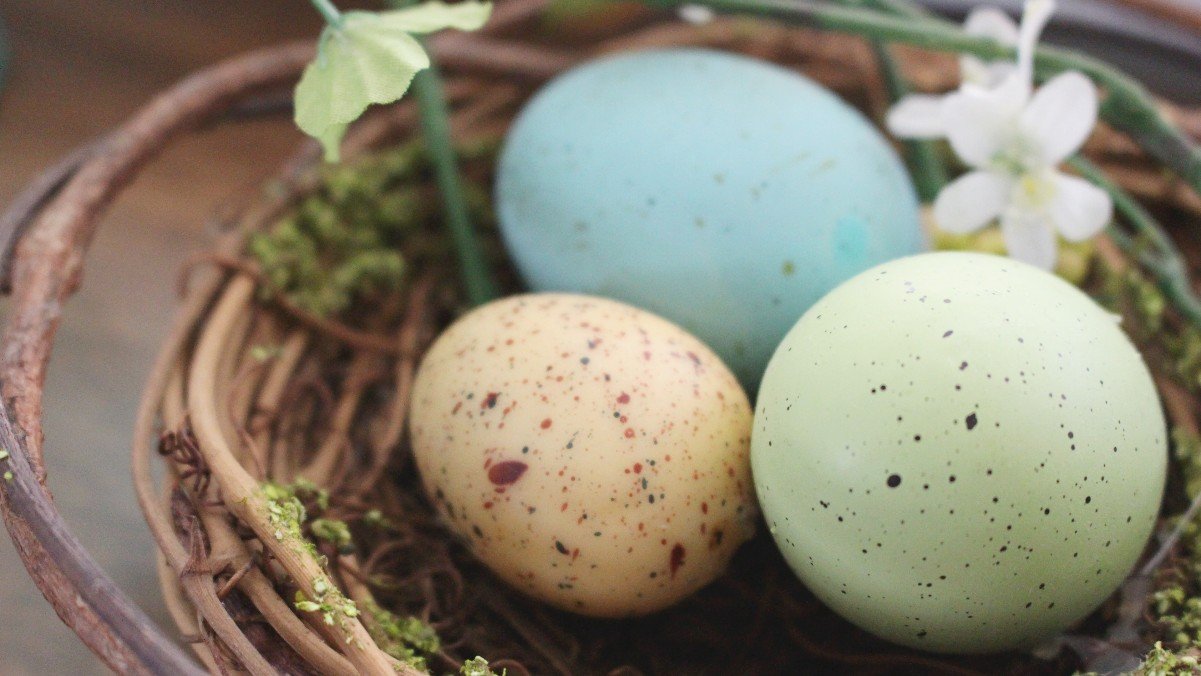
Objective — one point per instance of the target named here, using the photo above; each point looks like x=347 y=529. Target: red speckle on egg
x=546 y=424
x=629 y=433
x=637 y=468
x=489 y=401
x=704 y=508
x=677 y=558
x=456 y=408
x=624 y=398
x=507 y=472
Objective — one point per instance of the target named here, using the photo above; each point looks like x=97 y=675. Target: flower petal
x=979 y=122
x=972 y=201
x=1035 y=16
x=974 y=70
x=988 y=22
x=917 y=116
x=696 y=14
x=991 y=22
x=1029 y=238
x=1079 y=208
x=1061 y=115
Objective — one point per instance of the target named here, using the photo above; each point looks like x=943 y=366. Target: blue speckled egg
x=721 y=192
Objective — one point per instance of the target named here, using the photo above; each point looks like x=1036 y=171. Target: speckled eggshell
x=591 y=454
x=723 y=193
x=959 y=452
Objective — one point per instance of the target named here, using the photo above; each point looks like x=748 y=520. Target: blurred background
x=78 y=68
x=81 y=66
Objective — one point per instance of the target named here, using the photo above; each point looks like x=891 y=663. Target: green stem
x=1127 y=105
x=925 y=164
x=328 y=12
x=474 y=270
x=929 y=173
x=1154 y=248
x=435 y=126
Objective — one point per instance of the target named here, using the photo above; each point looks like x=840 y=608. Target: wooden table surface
x=80 y=67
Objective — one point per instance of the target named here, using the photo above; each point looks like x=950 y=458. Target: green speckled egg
x=959 y=452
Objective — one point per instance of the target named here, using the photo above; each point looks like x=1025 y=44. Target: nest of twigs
x=289 y=491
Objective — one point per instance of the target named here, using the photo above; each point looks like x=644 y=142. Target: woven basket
x=329 y=398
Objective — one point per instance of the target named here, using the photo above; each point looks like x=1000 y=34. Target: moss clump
x=1144 y=307
x=333 y=605
x=478 y=666
x=356 y=240
x=334 y=532
x=1163 y=662
x=1175 y=605
x=285 y=512
x=406 y=639
x=1075 y=258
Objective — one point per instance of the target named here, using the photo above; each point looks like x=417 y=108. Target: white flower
x=988 y=22
x=920 y=115
x=697 y=14
x=1013 y=138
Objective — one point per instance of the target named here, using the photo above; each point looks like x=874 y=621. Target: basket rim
x=44 y=235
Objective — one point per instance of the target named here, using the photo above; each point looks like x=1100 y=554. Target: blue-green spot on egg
x=724 y=193
x=959 y=452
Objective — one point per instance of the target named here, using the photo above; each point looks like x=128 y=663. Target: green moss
x=335 y=608
x=264 y=352
x=478 y=666
x=357 y=238
x=1144 y=308
x=406 y=639
x=1075 y=258
x=1163 y=662
x=287 y=514
x=1175 y=605
x=376 y=519
x=334 y=532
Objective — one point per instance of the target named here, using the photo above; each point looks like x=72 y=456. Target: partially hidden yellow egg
x=591 y=454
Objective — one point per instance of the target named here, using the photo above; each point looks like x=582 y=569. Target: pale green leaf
x=434 y=16
x=370 y=58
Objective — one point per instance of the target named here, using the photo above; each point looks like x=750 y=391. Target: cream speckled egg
x=959 y=452
x=591 y=454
